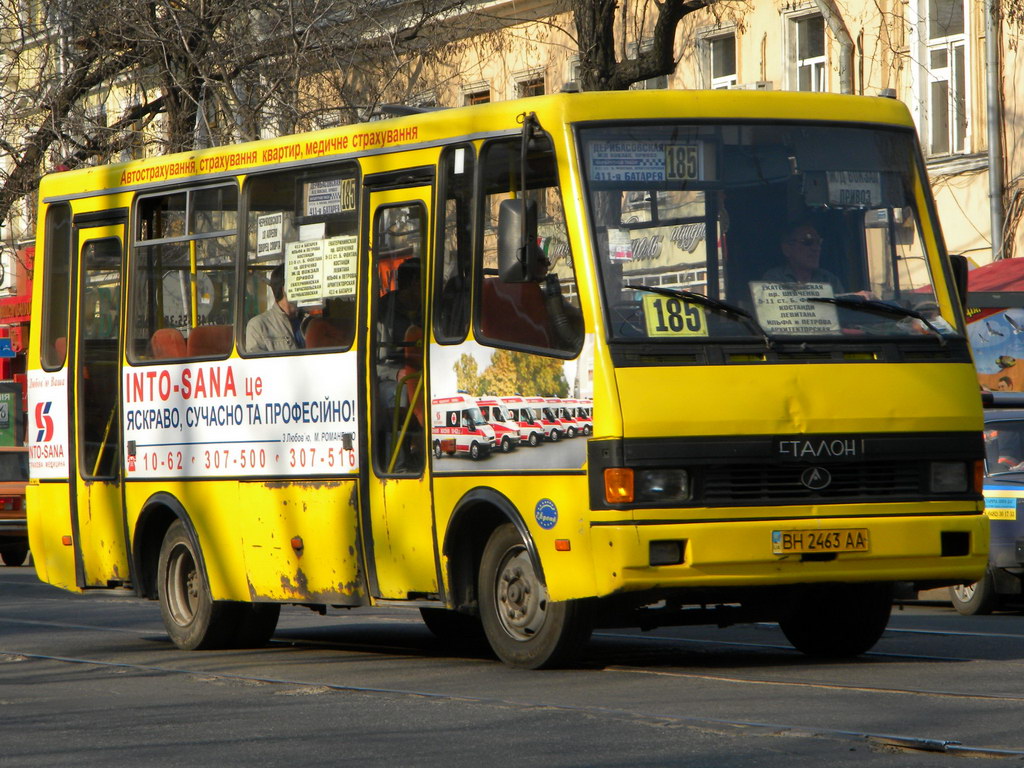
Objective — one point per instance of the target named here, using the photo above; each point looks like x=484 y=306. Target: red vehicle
x=506 y=430
x=554 y=429
x=531 y=431
x=458 y=428
x=13 y=528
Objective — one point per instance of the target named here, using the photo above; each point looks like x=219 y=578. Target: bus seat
x=207 y=340
x=167 y=344
x=514 y=312
x=321 y=332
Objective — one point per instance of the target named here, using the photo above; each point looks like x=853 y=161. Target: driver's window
x=542 y=314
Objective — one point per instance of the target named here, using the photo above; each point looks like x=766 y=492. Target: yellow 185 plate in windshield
x=669 y=316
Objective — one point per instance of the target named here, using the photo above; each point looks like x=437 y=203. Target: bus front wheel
x=524 y=628
x=192 y=618
x=837 y=620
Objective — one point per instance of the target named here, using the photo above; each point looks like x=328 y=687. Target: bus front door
x=400 y=533
x=98 y=524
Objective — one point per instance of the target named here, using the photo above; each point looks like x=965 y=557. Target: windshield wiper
x=879 y=308
x=714 y=305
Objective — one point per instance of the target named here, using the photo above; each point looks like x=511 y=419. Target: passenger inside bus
x=1004 y=449
x=399 y=368
x=277 y=328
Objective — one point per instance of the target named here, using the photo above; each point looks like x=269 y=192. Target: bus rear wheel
x=192 y=618
x=523 y=626
x=254 y=624
x=837 y=620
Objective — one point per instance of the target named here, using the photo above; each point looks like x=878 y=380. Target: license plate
x=820 y=540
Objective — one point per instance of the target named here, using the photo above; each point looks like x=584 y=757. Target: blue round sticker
x=546 y=513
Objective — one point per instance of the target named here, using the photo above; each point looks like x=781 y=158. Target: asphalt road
x=94 y=681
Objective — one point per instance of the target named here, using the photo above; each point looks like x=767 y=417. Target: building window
x=574 y=74
x=533 y=86
x=807 y=53
x=477 y=96
x=721 y=60
x=946 y=79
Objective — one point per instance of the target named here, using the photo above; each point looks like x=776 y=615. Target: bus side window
x=300 y=214
x=184 y=272
x=56 y=286
x=455 y=245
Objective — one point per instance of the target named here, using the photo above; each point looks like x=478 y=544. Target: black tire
x=506 y=444
x=459 y=630
x=837 y=620
x=533 y=440
x=474 y=450
x=523 y=627
x=255 y=625
x=191 y=616
x=570 y=432
x=437 y=449
x=555 y=434
x=977 y=599
x=13 y=555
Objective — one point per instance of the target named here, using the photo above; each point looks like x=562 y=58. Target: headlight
x=623 y=485
x=948 y=477
x=662 y=485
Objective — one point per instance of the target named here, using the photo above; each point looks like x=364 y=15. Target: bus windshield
x=752 y=229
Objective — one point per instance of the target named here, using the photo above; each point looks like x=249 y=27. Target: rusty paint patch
x=348 y=594
x=305 y=484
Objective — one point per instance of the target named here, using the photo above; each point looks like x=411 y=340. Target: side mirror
x=959 y=265
x=517 y=240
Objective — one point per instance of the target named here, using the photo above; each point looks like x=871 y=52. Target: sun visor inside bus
x=745 y=165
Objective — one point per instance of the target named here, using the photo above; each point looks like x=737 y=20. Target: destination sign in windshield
x=650 y=161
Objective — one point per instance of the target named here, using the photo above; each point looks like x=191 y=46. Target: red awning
x=1004 y=275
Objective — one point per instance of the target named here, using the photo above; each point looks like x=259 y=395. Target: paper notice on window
x=861 y=189
x=620 y=246
x=340 y=266
x=783 y=308
x=269 y=235
x=303 y=274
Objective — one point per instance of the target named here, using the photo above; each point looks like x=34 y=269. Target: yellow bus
x=256 y=371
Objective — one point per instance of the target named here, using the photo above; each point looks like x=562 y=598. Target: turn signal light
x=618 y=485
x=979 y=476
